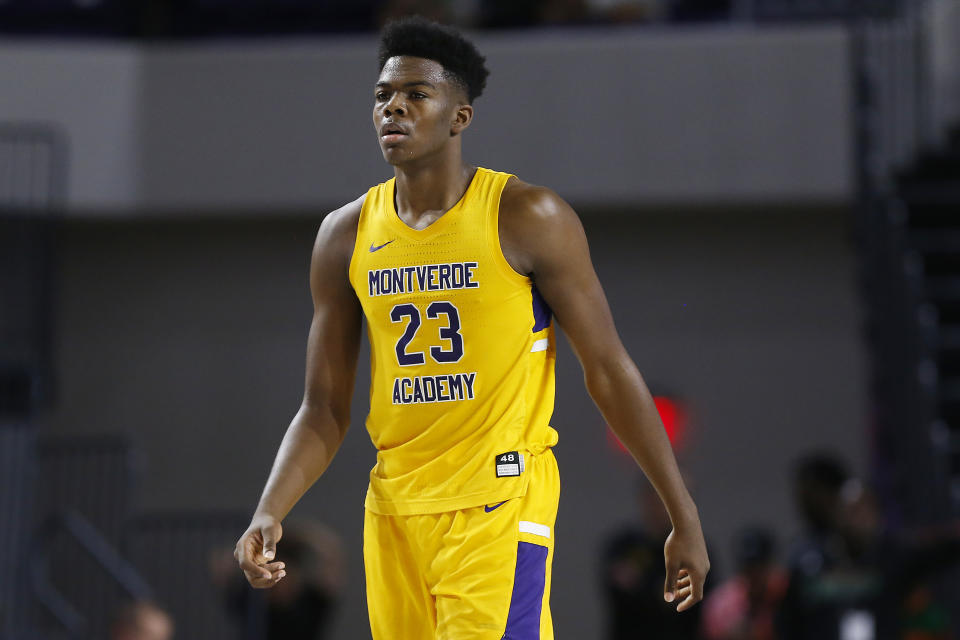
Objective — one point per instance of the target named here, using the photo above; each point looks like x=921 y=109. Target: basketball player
x=459 y=272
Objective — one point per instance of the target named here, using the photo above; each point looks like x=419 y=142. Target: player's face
x=414 y=110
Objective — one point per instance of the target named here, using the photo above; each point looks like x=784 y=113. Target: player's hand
x=685 y=555
x=256 y=550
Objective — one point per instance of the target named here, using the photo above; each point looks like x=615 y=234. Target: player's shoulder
x=338 y=232
x=339 y=226
x=345 y=218
x=529 y=205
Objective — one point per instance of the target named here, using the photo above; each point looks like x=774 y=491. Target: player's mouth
x=392 y=132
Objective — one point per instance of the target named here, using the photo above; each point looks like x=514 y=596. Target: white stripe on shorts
x=541 y=530
x=540 y=345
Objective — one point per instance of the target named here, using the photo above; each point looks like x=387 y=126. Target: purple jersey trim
x=541 y=310
x=523 y=621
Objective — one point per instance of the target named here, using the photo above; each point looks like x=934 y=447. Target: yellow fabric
x=449 y=576
x=496 y=397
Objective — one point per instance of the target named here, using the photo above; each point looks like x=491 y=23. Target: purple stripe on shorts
x=523 y=621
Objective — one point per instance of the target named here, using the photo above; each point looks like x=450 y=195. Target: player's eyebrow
x=408 y=84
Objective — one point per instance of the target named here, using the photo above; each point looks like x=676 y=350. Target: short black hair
x=421 y=38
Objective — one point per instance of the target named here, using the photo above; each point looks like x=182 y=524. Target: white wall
x=612 y=117
x=91 y=93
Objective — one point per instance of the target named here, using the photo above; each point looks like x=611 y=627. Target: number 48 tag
x=508 y=464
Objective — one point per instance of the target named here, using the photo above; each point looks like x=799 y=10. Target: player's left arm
x=542 y=237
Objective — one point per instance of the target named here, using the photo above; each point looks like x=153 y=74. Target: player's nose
x=394 y=106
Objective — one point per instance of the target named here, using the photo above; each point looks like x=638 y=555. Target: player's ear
x=462 y=118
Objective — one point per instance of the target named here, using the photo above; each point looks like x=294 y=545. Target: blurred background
x=771 y=190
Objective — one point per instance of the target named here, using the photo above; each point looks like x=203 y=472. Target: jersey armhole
x=494 y=233
x=356 y=241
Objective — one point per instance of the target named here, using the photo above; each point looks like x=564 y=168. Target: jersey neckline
x=440 y=223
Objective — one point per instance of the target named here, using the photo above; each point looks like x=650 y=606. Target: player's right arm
x=318 y=428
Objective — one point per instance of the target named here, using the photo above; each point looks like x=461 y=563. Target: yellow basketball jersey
x=462 y=355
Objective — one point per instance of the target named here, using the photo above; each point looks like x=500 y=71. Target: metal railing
x=891 y=127
x=32 y=166
x=89 y=539
x=179 y=553
x=82 y=504
x=17 y=481
x=893 y=107
x=71 y=497
x=33 y=159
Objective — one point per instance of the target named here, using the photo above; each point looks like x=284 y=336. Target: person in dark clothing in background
x=899 y=563
x=301 y=606
x=744 y=607
x=849 y=578
x=633 y=577
x=829 y=596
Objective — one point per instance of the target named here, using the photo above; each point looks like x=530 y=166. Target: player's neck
x=432 y=188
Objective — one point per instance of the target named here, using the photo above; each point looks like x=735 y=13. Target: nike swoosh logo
x=374 y=248
x=489 y=509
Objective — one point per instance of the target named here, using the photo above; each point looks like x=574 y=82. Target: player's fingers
x=257 y=581
x=246 y=558
x=276 y=575
x=670 y=585
x=695 y=595
x=252 y=568
x=271 y=535
x=267 y=571
x=688 y=602
x=697 y=584
x=254 y=571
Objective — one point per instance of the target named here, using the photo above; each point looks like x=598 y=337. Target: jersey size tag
x=508 y=464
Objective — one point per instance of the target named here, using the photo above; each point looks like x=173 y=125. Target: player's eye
x=381 y=95
x=417 y=95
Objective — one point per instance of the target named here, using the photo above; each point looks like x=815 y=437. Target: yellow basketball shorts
x=481 y=573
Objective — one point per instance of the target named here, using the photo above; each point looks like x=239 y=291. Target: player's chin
x=395 y=155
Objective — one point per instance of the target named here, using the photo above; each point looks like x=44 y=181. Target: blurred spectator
x=901 y=564
x=818 y=481
x=302 y=604
x=923 y=618
x=850 y=579
x=744 y=607
x=820 y=590
x=633 y=578
x=141 y=620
